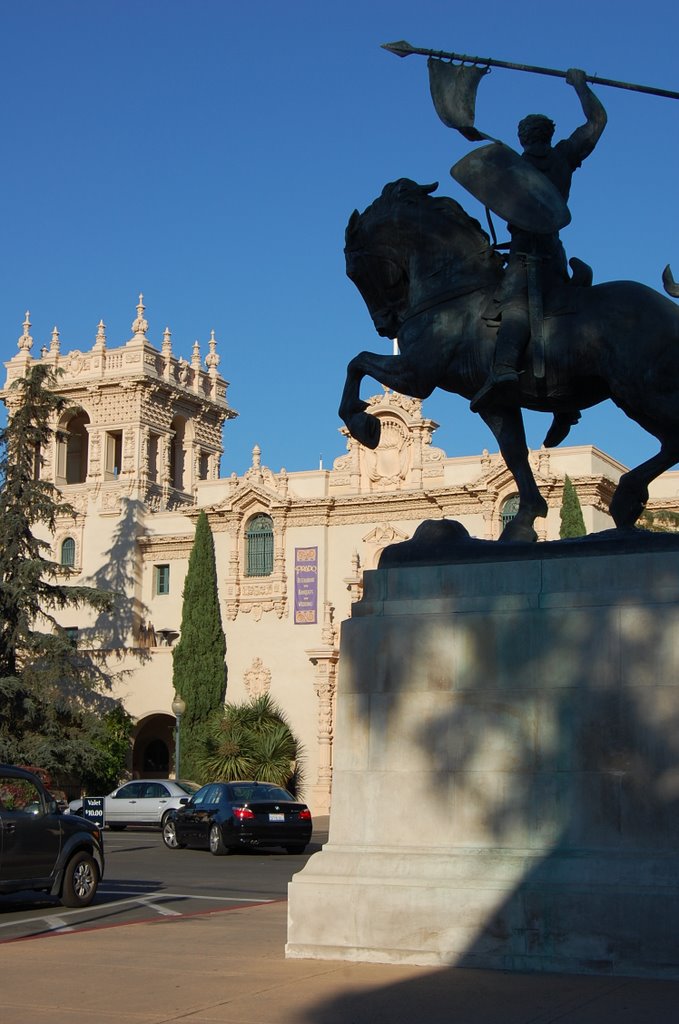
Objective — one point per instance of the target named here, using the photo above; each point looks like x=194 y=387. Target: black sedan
x=226 y=816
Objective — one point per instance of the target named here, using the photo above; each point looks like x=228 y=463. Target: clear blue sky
x=210 y=152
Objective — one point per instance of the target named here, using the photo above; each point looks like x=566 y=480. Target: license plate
x=276 y=817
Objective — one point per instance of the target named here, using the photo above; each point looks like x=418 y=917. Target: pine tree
x=199 y=674
x=572 y=522
x=50 y=711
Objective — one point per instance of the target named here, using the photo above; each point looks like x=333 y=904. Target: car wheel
x=81 y=879
x=170 y=836
x=217 y=847
x=295 y=848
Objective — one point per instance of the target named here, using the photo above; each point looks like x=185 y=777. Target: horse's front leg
x=360 y=424
x=395 y=372
x=507 y=426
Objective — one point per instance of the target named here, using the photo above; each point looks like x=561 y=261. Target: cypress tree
x=199 y=670
x=572 y=522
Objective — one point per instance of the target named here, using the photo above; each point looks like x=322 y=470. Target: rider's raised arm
x=584 y=139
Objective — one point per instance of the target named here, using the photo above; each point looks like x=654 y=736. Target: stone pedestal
x=506 y=777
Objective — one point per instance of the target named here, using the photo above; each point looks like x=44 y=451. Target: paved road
x=145 y=881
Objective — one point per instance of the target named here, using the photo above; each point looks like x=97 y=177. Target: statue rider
x=557 y=163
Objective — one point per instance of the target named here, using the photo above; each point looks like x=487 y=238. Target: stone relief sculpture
x=516 y=331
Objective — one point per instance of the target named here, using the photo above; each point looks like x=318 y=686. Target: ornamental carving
x=388 y=464
x=378 y=539
x=171 y=547
x=116 y=406
x=110 y=500
x=257 y=679
x=75 y=363
x=411 y=406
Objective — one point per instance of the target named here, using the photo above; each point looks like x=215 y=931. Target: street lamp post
x=178 y=709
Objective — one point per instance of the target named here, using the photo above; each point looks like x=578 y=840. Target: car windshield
x=188 y=787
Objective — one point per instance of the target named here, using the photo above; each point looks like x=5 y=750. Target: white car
x=141 y=802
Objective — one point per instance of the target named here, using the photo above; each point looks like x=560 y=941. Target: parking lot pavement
x=230 y=967
x=144 y=882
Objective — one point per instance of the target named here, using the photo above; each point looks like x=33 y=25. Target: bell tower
x=141 y=422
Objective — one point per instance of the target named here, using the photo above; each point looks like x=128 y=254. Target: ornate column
x=165 y=464
x=325 y=659
x=233 y=577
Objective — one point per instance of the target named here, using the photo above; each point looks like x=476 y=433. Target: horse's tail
x=669 y=284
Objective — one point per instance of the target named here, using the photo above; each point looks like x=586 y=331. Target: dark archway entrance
x=153 y=746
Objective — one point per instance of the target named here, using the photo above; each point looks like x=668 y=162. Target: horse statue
x=428 y=275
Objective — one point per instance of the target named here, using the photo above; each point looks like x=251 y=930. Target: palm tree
x=253 y=741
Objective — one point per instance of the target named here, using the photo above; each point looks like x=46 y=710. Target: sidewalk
x=229 y=967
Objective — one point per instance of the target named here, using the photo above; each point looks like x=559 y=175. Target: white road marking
x=190 y=896
x=58 y=924
x=159 y=908
x=147 y=899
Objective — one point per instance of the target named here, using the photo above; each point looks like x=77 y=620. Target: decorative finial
x=55 y=344
x=167 y=343
x=212 y=359
x=256 y=457
x=100 y=342
x=25 y=342
x=140 y=325
x=195 y=355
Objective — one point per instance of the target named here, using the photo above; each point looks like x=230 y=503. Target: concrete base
x=506 y=780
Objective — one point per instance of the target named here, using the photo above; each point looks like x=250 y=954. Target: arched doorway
x=153 y=746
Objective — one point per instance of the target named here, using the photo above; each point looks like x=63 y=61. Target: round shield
x=512 y=188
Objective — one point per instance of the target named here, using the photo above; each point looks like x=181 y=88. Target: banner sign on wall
x=306 y=585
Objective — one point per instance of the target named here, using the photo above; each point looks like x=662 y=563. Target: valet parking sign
x=93 y=810
x=306 y=586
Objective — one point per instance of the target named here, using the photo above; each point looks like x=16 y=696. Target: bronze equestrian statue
x=429 y=276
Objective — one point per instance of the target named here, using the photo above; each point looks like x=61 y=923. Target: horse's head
x=406 y=242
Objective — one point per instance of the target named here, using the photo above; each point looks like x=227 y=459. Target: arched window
x=178 y=454
x=510 y=506
x=259 y=546
x=72 y=450
x=68 y=552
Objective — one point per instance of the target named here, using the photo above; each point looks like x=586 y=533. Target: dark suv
x=42 y=849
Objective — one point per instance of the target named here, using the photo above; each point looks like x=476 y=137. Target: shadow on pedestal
x=506 y=780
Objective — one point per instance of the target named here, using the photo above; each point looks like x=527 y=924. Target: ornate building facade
x=138 y=457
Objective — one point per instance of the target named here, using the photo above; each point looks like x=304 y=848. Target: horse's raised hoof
x=560 y=428
x=365 y=428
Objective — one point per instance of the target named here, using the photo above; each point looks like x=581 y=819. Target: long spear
x=404 y=49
